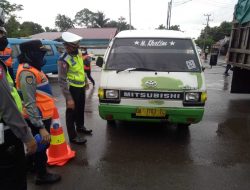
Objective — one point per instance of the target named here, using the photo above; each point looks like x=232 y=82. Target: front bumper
x=173 y=115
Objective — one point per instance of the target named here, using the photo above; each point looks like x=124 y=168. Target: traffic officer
x=39 y=104
x=73 y=84
x=6 y=57
x=13 y=129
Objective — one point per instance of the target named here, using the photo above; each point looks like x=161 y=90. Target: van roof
x=152 y=34
x=21 y=40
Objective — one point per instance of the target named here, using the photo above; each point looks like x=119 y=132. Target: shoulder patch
x=29 y=79
x=26 y=66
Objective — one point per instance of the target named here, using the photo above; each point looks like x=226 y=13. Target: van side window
x=49 y=52
x=15 y=50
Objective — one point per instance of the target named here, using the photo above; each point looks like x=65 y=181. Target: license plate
x=150 y=112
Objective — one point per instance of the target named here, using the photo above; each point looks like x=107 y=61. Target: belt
x=77 y=82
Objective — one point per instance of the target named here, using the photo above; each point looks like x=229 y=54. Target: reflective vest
x=75 y=75
x=13 y=90
x=85 y=59
x=44 y=99
x=5 y=55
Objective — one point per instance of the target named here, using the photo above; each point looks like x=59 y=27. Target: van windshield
x=159 y=54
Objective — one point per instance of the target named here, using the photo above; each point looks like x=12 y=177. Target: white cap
x=70 y=37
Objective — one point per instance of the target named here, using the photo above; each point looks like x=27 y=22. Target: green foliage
x=85 y=17
x=12 y=27
x=120 y=25
x=29 y=28
x=175 y=27
x=48 y=29
x=10 y=8
x=161 y=27
x=63 y=23
x=214 y=34
x=99 y=20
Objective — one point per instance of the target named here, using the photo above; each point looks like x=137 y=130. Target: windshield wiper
x=135 y=69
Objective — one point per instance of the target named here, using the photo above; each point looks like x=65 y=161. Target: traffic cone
x=58 y=153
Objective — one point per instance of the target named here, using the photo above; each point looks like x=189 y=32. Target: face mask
x=3 y=43
x=74 y=52
x=37 y=59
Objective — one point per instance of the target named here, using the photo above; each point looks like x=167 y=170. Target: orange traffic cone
x=58 y=152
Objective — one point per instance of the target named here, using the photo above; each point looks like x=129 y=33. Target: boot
x=47 y=178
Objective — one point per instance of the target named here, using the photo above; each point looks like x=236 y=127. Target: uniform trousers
x=75 y=117
x=38 y=161
x=12 y=163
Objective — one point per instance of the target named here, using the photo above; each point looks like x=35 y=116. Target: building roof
x=94 y=33
x=86 y=33
x=47 y=35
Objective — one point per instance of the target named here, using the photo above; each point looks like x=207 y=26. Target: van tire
x=183 y=126
x=111 y=123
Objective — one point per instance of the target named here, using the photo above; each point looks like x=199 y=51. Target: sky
x=145 y=14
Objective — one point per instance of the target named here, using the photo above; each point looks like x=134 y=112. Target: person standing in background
x=87 y=65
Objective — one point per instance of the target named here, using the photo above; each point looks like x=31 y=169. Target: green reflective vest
x=76 y=75
x=14 y=92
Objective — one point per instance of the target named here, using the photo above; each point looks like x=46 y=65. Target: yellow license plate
x=150 y=112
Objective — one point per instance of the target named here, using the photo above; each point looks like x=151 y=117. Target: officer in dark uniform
x=13 y=129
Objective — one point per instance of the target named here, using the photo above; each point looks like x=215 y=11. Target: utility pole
x=129 y=14
x=169 y=14
x=206 y=27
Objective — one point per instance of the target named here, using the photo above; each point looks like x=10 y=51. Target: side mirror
x=99 y=61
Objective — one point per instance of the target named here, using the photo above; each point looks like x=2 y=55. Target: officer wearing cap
x=13 y=129
x=39 y=104
x=73 y=83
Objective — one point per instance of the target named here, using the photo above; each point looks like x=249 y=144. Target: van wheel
x=111 y=123
x=182 y=126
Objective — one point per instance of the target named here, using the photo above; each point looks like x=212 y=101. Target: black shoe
x=84 y=130
x=47 y=178
x=78 y=140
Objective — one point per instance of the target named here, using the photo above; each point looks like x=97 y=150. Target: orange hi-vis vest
x=86 y=67
x=44 y=99
x=5 y=56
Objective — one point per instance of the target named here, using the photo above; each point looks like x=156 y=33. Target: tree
x=175 y=27
x=161 y=27
x=12 y=26
x=210 y=35
x=99 y=20
x=84 y=17
x=30 y=28
x=63 y=23
x=10 y=8
x=48 y=29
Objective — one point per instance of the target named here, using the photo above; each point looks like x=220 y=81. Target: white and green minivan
x=152 y=76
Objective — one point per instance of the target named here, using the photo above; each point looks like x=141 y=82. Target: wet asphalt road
x=213 y=154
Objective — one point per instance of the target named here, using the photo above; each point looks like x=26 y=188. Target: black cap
x=34 y=45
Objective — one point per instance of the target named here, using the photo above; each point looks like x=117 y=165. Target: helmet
x=2 y=18
x=69 y=37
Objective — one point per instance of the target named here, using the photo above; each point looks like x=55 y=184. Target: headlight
x=192 y=97
x=111 y=94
